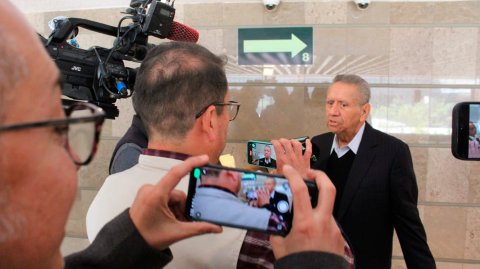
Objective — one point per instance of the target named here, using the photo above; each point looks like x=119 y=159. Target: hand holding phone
x=157 y=209
x=314 y=229
x=293 y=153
x=466 y=131
x=242 y=199
x=264 y=154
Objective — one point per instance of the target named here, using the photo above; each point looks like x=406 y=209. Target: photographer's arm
x=140 y=236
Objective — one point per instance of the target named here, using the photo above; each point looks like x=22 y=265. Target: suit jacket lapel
x=365 y=155
x=324 y=153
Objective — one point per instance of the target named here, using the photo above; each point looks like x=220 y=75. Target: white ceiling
x=31 y=6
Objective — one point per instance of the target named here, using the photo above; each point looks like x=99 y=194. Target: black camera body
x=98 y=75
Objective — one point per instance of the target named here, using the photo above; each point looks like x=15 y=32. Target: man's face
x=34 y=165
x=345 y=116
x=472 y=130
x=267 y=152
x=269 y=185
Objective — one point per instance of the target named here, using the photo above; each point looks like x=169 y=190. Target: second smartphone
x=262 y=154
x=243 y=199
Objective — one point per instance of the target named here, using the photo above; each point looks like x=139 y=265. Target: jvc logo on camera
x=77 y=68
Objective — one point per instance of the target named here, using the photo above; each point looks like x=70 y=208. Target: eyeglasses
x=232 y=109
x=81 y=129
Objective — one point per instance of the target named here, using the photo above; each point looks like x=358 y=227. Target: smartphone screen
x=242 y=199
x=466 y=131
x=263 y=154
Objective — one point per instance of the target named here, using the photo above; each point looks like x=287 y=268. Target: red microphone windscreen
x=181 y=32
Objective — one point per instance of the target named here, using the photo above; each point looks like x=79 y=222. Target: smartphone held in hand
x=242 y=199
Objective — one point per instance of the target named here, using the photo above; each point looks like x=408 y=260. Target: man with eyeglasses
x=39 y=157
x=181 y=95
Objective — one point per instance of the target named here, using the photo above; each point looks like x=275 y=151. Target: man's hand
x=158 y=210
x=255 y=161
x=312 y=229
x=290 y=152
x=263 y=197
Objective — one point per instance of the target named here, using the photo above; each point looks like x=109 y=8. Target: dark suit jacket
x=277 y=197
x=272 y=163
x=381 y=193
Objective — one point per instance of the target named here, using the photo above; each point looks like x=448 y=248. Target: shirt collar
x=269 y=160
x=353 y=145
x=166 y=154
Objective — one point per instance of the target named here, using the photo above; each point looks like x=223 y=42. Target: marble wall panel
x=449 y=265
x=456 y=12
x=478 y=56
x=121 y=124
x=420 y=164
x=243 y=13
x=109 y=16
x=286 y=13
x=447 y=177
x=472 y=244
x=314 y=111
x=230 y=44
x=471 y=266
x=37 y=21
x=239 y=153
x=398 y=264
x=368 y=53
x=72 y=245
x=325 y=13
x=411 y=55
x=329 y=58
x=94 y=174
x=203 y=14
x=411 y=12
x=179 y=13
x=377 y=12
x=76 y=222
x=454 y=55
x=107 y=128
x=267 y=113
x=445 y=227
x=474 y=186
x=212 y=40
x=90 y=39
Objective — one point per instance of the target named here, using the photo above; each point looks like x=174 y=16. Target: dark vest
x=338 y=170
x=136 y=134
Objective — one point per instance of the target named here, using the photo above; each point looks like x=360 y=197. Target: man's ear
x=210 y=123
x=365 y=110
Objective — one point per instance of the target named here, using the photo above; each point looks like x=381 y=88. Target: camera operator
x=38 y=180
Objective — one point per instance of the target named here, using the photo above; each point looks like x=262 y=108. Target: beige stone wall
x=420 y=57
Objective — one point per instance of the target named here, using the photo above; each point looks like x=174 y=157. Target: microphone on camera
x=181 y=32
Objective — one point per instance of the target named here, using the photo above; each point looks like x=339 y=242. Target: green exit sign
x=259 y=46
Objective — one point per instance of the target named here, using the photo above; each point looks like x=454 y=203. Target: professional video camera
x=98 y=75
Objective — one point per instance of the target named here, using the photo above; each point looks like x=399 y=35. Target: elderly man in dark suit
x=374 y=177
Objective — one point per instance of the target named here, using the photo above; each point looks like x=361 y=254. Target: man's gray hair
x=362 y=85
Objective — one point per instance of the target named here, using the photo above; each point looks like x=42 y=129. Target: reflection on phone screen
x=244 y=200
x=263 y=154
x=474 y=131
